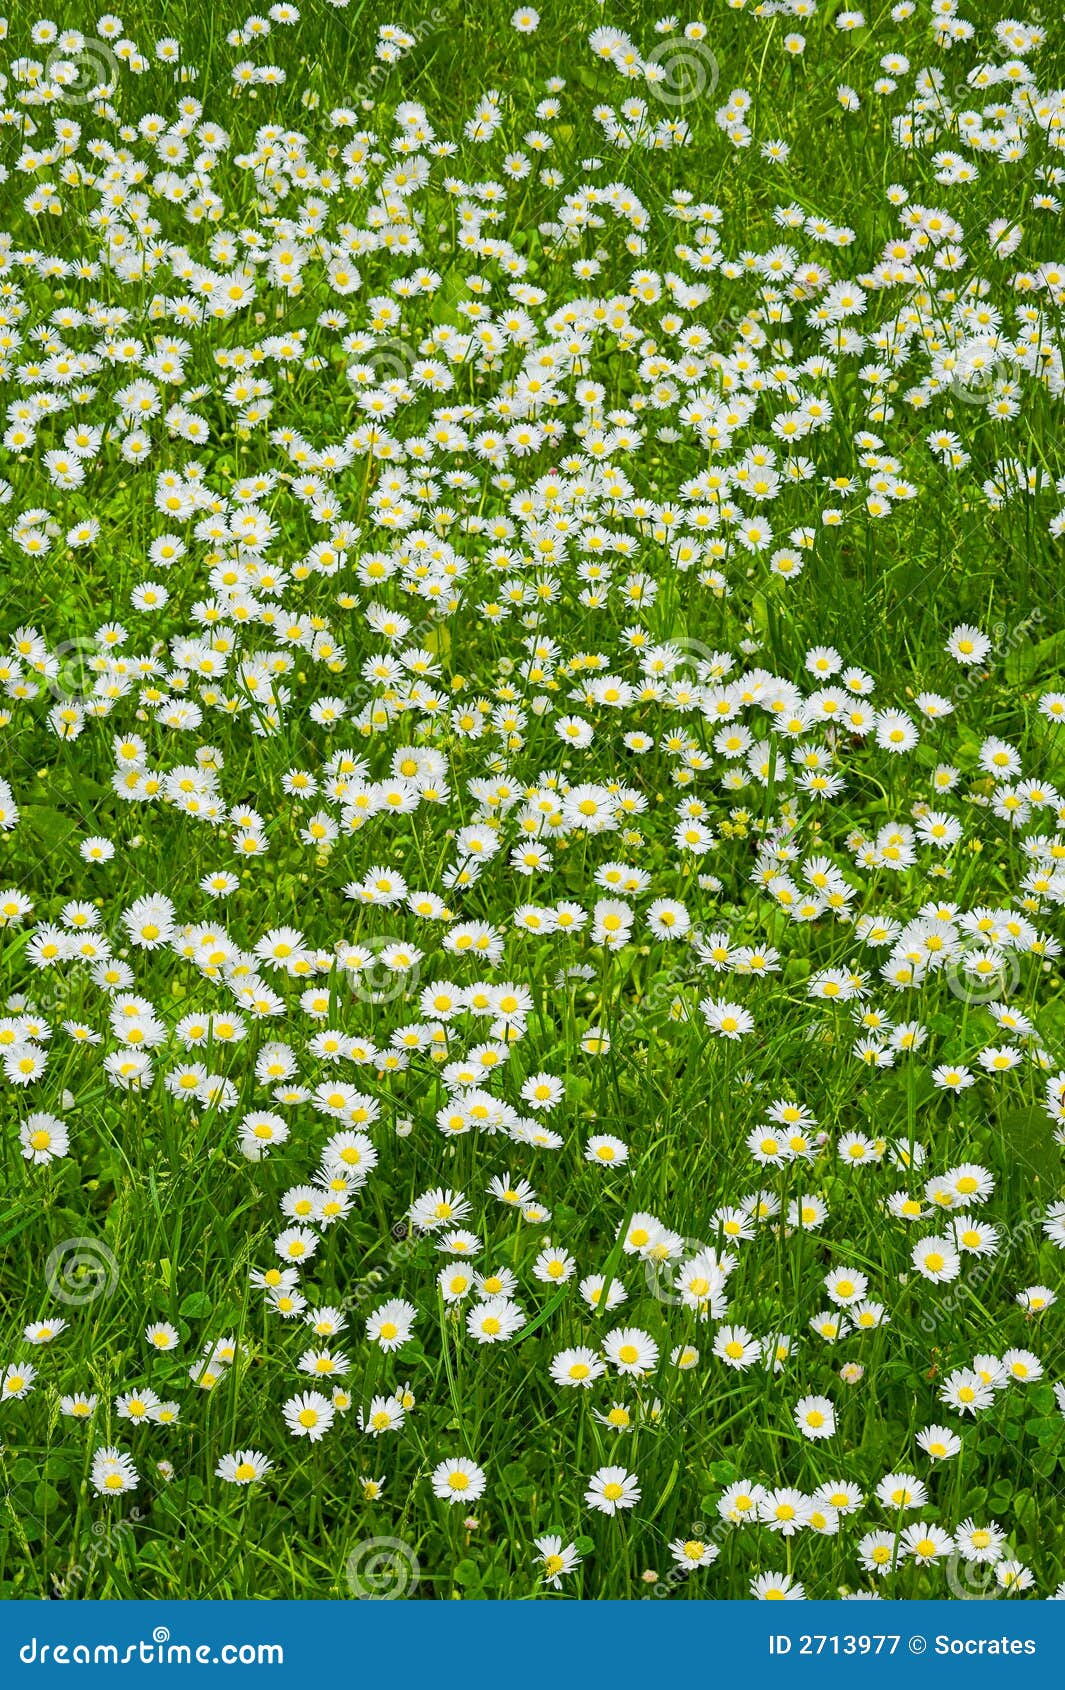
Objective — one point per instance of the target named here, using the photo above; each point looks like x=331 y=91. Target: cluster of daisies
x=440 y=791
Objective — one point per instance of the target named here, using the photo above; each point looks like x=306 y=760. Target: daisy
x=689 y=1553
x=458 y=1480
x=776 y=1587
x=815 y=1417
x=612 y=1488
x=556 y=1559
x=245 y=1467
x=936 y=1259
x=112 y=1472
x=939 y=1442
x=576 y=1367
x=308 y=1415
x=390 y=1326
x=631 y=1350
x=17 y=1381
x=925 y=1543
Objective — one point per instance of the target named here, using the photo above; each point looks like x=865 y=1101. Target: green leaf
x=50 y=826
x=196 y=1306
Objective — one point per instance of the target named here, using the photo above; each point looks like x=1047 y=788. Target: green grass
x=177 y=1217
